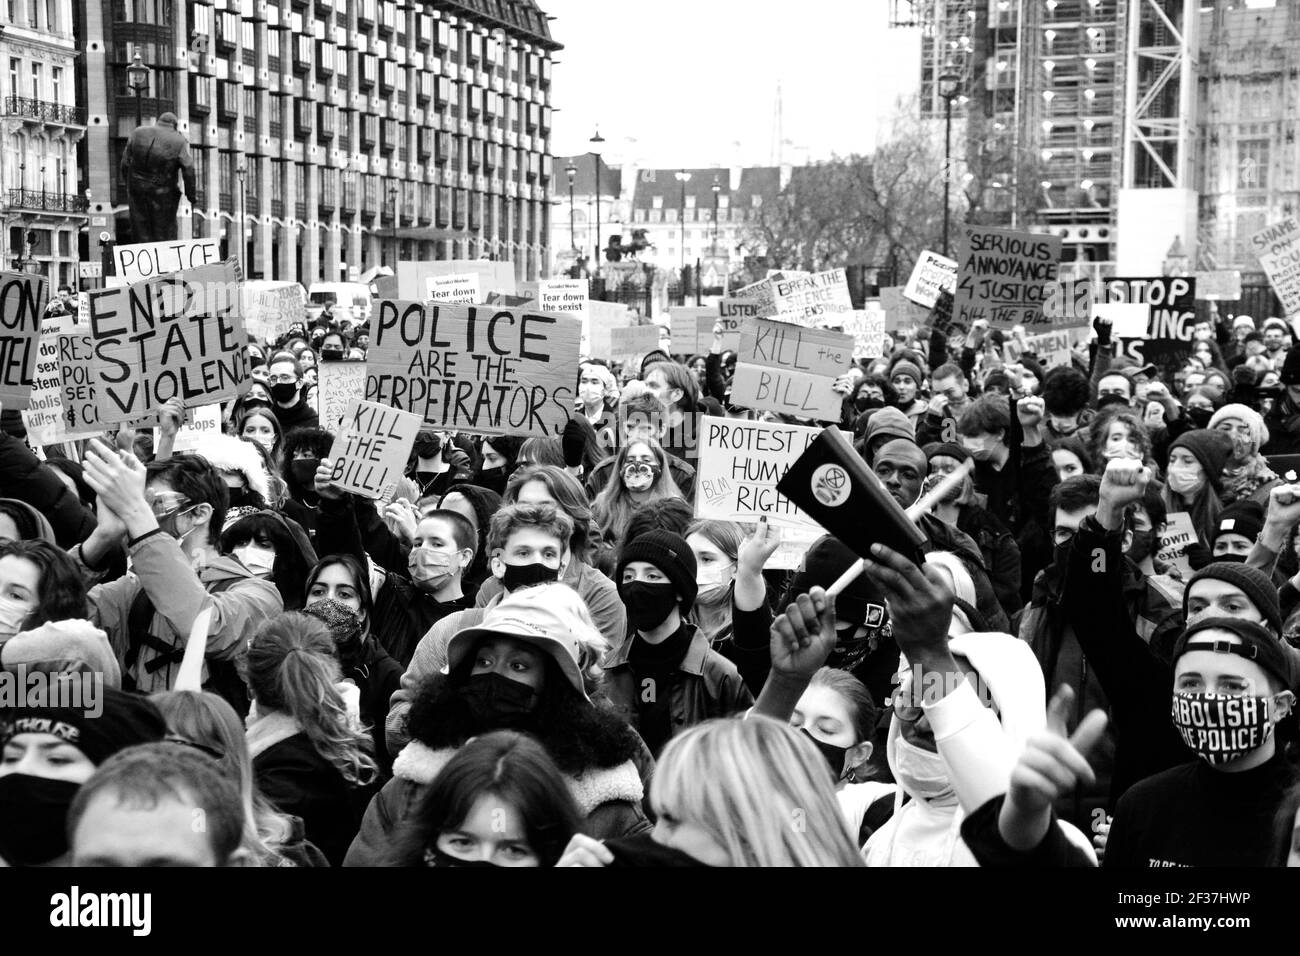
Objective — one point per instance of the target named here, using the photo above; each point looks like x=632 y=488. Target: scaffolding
x=948 y=43
x=1160 y=61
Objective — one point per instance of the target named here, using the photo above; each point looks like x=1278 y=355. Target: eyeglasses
x=284 y=378
x=166 y=504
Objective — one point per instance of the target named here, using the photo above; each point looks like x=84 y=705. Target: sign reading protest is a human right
x=474 y=368
x=22 y=305
x=1278 y=249
x=177 y=335
x=931 y=273
x=1004 y=277
x=790 y=369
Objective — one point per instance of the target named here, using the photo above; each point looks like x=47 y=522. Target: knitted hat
x=890 y=421
x=908 y=369
x=1252 y=418
x=58 y=647
x=1245 y=517
x=1210 y=448
x=1257 y=645
x=670 y=554
x=125 y=720
x=1277 y=323
x=1291 y=368
x=1243 y=320
x=945 y=449
x=859 y=603
x=1254 y=583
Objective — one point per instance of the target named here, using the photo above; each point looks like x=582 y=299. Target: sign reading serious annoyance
x=1004 y=277
x=372 y=448
x=474 y=368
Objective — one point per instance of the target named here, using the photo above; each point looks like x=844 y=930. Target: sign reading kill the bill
x=812 y=300
x=1004 y=277
x=474 y=368
x=372 y=448
x=790 y=369
x=177 y=335
x=931 y=273
x=22 y=305
x=1278 y=249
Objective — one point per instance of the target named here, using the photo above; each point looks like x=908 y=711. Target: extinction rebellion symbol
x=830 y=484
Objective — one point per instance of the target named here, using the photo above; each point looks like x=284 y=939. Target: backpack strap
x=138 y=619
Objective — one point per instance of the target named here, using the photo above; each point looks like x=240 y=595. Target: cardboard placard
x=452 y=289
x=1004 y=277
x=1052 y=348
x=372 y=448
x=1278 y=249
x=497 y=275
x=199 y=423
x=337 y=383
x=733 y=313
x=632 y=341
x=1171 y=548
x=1169 y=304
x=269 y=312
x=761 y=292
x=480 y=369
x=175 y=335
x=790 y=369
x=691 y=329
x=43 y=416
x=931 y=273
x=1218 y=285
x=812 y=300
x=23 y=297
x=901 y=313
x=145 y=260
x=603 y=318
x=867 y=326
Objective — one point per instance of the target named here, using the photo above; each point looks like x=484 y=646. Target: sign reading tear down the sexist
x=372 y=448
x=474 y=368
x=22 y=305
x=1004 y=277
x=177 y=335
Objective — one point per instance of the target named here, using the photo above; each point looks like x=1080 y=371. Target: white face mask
x=1184 y=479
x=12 y=616
x=919 y=771
x=708 y=577
x=976 y=445
x=258 y=560
x=591 y=393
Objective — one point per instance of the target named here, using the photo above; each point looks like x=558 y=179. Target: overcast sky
x=688 y=79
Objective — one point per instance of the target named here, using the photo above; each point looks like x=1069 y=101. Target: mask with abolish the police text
x=1221 y=728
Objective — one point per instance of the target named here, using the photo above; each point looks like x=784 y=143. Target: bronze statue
x=153 y=157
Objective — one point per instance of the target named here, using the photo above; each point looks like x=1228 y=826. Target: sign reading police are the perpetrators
x=790 y=369
x=372 y=448
x=453 y=289
x=144 y=260
x=22 y=304
x=812 y=300
x=474 y=368
x=178 y=335
x=1278 y=249
x=931 y=273
x=631 y=341
x=1004 y=277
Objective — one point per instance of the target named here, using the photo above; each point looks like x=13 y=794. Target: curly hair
x=61 y=590
x=568 y=495
x=1100 y=428
x=1065 y=391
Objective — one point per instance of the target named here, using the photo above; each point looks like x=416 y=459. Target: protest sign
x=1278 y=249
x=43 y=416
x=563 y=297
x=22 y=305
x=812 y=300
x=372 y=448
x=1171 y=548
x=632 y=341
x=199 y=423
x=901 y=314
x=337 y=383
x=494 y=275
x=733 y=313
x=603 y=318
x=145 y=260
x=691 y=329
x=77 y=388
x=1052 y=348
x=790 y=369
x=1157 y=316
x=178 y=335
x=941 y=315
x=270 y=309
x=931 y=273
x=481 y=369
x=1218 y=285
x=760 y=292
x=452 y=289
x=1004 y=277
x=867 y=326
x=1069 y=304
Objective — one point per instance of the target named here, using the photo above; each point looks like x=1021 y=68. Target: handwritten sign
x=178 y=335
x=199 y=423
x=733 y=313
x=43 y=416
x=22 y=304
x=1218 y=285
x=145 y=260
x=931 y=273
x=790 y=369
x=480 y=369
x=269 y=312
x=901 y=314
x=77 y=387
x=337 y=383
x=1052 y=348
x=812 y=300
x=867 y=326
x=760 y=292
x=691 y=329
x=1166 y=306
x=1003 y=276
x=1171 y=549
x=1278 y=249
x=603 y=318
x=631 y=341
x=372 y=449
x=452 y=289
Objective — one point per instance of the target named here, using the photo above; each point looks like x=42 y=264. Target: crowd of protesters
x=533 y=653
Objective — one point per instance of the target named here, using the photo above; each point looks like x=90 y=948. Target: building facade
x=332 y=137
x=574 y=222
x=41 y=198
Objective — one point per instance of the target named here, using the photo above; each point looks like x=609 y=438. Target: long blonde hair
x=613 y=506
x=759 y=788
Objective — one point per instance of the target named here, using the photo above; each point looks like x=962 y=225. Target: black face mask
x=834 y=755
x=518 y=576
x=303 y=471
x=1233 y=558
x=865 y=401
x=1200 y=417
x=1143 y=543
x=493 y=479
x=284 y=392
x=331 y=355
x=648 y=605
x=495 y=701
x=435 y=857
x=33 y=818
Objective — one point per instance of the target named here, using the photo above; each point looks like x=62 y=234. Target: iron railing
x=46 y=201
x=44 y=110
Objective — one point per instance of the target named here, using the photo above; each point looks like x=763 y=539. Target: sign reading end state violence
x=474 y=368
x=372 y=449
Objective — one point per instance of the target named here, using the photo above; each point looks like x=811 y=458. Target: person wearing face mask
x=1193 y=478
x=284 y=376
x=1117 y=433
x=261 y=425
x=34 y=487
x=640 y=475
x=666 y=678
x=642 y=417
x=716 y=545
x=303 y=450
x=275 y=548
x=1065 y=399
x=499 y=458
x=597 y=396
x=530 y=665
x=1246 y=474
x=49 y=752
x=248 y=486
x=907 y=381
x=332 y=347
x=436 y=463
x=1235 y=531
x=43 y=613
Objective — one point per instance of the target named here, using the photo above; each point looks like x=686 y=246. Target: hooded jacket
x=40 y=524
x=26 y=478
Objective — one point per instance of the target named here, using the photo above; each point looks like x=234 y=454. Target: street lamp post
x=392 y=194
x=717 y=188
x=138 y=79
x=683 y=177
x=949 y=83
x=596 y=141
x=572 y=172
x=241 y=171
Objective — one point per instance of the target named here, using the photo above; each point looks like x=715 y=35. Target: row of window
x=43 y=16
x=734 y=214
x=30 y=80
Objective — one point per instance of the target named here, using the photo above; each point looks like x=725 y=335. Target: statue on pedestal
x=153 y=157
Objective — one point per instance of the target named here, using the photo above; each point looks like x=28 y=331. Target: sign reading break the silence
x=812 y=299
x=372 y=448
x=22 y=304
x=1004 y=277
x=474 y=368
x=176 y=335
x=790 y=369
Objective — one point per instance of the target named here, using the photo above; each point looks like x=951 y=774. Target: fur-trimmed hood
x=419 y=763
x=227 y=453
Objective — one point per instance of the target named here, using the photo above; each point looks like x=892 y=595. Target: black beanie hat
x=829 y=557
x=670 y=554
x=947 y=449
x=126 y=720
x=1257 y=645
x=1291 y=367
x=1211 y=448
x=1244 y=517
x=1254 y=583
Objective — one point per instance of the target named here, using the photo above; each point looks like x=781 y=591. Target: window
x=52 y=16
x=31 y=14
x=273 y=48
x=15 y=70
x=56 y=83
x=1252 y=164
x=277 y=116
